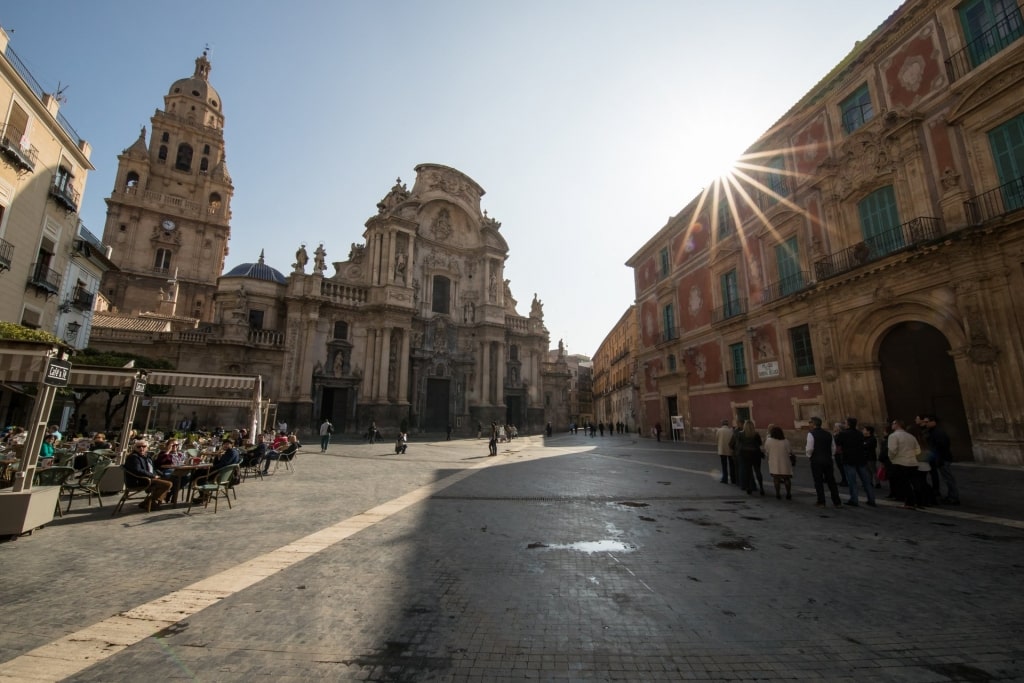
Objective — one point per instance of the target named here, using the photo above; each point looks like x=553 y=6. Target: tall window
x=442 y=289
x=340 y=329
x=668 y=316
x=739 y=364
x=803 y=356
x=664 y=261
x=16 y=131
x=183 y=162
x=726 y=226
x=787 y=259
x=162 y=262
x=1007 y=142
x=161 y=155
x=63 y=180
x=880 y=221
x=777 y=180
x=671 y=362
x=255 y=319
x=730 y=295
x=989 y=26
x=856 y=109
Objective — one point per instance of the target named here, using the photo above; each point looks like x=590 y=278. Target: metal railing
x=878 y=246
x=14 y=147
x=45 y=278
x=1008 y=29
x=65 y=194
x=786 y=286
x=82 y=299
x=996 y=203
x=6 y=254
x=33 y=84
x=730 y=309
x=736 y=379
x=92 y=239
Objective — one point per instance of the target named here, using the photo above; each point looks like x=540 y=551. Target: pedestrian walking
x=326 y=429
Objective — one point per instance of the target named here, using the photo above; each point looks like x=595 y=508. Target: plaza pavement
x=566 y=559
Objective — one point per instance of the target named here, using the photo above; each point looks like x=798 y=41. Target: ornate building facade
x=866 y=257
x=615 y=375
x=416 y=326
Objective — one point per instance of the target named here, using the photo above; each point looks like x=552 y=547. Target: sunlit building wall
x=865 y=255
x=614 y=362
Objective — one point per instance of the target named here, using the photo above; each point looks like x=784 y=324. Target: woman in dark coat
x=748 y=448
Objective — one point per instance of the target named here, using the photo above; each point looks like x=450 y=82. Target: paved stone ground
x=576 y=559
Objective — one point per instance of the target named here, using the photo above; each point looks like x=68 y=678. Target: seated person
x=139 y=471
x=287 y=452
x=228 y=456
x=46 y=451
x=100 y=443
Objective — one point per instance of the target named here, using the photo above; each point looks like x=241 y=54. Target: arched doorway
x=919 y=376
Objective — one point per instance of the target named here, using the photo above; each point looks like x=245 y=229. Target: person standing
x=903 y=452
x=942 y=451
x=855 y=461
x=820 y=448
x=448 y=433
x=748 y=445
x=723 y=435
x=326 y=429
x=780 y=461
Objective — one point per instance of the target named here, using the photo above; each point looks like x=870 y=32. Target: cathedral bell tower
x=168 y=216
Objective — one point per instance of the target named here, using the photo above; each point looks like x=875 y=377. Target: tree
x=118 y=398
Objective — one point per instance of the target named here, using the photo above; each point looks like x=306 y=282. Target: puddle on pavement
x=606 y=546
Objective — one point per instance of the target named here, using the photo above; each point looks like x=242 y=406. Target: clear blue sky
x=587 y=122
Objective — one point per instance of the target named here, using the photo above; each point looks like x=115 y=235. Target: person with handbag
x=780 y=461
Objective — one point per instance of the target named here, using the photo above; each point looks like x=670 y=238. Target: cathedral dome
x=257 y=271
x=197 y=86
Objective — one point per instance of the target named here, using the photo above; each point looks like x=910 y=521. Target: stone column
x=384 y=358
x=485 y=373
x=499 y=398
x=403 y=368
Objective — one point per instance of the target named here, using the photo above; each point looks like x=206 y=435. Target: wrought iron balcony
x=82 y=299
x=786 y=286
x=736 y=379
x=879 y=246
x=18 y=152
x=730 y=309
x=1008 y=29
x=63 y=193
x=996 y=203
x=45 y=279
x=6 y=254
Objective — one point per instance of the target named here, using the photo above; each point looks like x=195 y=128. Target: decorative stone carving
x=398 y=194
x=442 y=226
x=301 y=259
x=356 y=253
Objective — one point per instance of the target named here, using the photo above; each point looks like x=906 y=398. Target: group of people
x=863 y=461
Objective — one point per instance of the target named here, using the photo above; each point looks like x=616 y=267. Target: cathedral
x=416 y=327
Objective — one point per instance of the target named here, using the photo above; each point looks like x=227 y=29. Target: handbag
x=881 y=474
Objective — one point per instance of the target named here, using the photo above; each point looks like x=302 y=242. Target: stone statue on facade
x=320 y=260
x=537 y=308
x=301 y=259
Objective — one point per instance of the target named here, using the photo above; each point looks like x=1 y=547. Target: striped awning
x=86 y=377
x=202 y=381
x=22 y=366
x=214 y=402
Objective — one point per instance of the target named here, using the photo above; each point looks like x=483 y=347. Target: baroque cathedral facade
x=417 y=326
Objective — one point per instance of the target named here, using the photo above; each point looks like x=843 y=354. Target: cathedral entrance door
x=435 y=413
x=919 y=376
x=514 y=412
x=333 y=406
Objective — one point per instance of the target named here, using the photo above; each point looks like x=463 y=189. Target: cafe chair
x=212 y=486
x=53 y=476
x=252 y=463
x=131 y=491
x=88 y=483
x=286 y=456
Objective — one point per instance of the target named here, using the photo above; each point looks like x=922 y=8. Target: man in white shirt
x=820 y=448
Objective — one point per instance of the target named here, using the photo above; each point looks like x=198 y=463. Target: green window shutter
x=739 y=363
x=787 y=260
x=880 y=221
x=1007 y=143
x=989 y=26
x=730 y=294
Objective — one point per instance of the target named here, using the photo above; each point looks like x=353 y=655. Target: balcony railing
x=63 y=193
x=23 y=71
x=90 y=238
x=879 y=246
x=82 y=299
x=6 y=254
x=17 y=150
x=736 y=379
x=996 y=203
x=1008 y=29
x=786 y=286
x=730 y=309
x=45 y=279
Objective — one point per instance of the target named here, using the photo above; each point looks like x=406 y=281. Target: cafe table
x=180 y=472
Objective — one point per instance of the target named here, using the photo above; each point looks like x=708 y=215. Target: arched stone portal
x=919 y=376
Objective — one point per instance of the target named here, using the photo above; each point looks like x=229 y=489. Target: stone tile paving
x=688 y=579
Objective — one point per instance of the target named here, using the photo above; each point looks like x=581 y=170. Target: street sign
x=57 y=373
x=140 y=387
